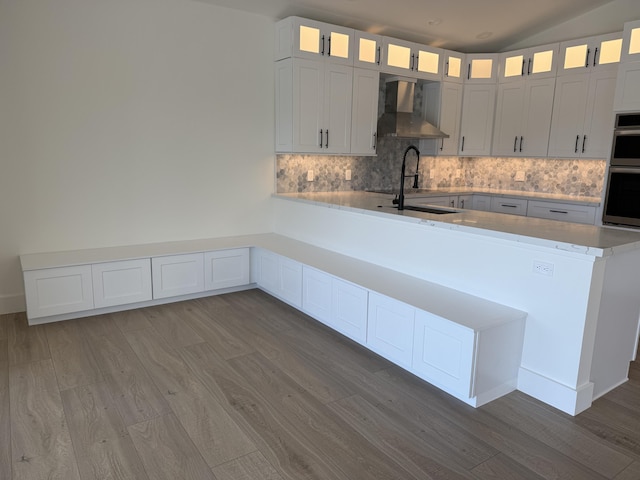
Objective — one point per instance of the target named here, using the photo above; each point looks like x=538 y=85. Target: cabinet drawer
x=562 y=211
x=226 y=268
x=513 y=206
x=443 y=353
x=56 y=291
x=177 y=275
x=119 y=283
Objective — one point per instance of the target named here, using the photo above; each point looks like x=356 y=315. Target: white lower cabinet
x=175 y=275
x=56 y=291
x=512 y=206
x=481 y=202
x=390 y=329
x=562 y=211
x=336 y=303
x=443 y=353
x=281 y=277
x=120 y=283
x=226 y=268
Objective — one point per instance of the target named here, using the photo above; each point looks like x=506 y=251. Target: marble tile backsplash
x=560 y=176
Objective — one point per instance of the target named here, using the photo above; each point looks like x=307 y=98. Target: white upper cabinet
x=303 y=38
x=583 y=115
x=523 y=118
x=313 y=106
x=537 y=62
x=453 y=66
x=415 y=60
x=481 y=67
x=600 y=52
x=367 y=50
x=631 y=42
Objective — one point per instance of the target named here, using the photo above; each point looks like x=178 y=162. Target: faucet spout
x=403 y=174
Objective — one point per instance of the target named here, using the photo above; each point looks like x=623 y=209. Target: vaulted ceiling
x=463 y=25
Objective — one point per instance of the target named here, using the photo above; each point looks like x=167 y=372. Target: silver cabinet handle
x=375 y=140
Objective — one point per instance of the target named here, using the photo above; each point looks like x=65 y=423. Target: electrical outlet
x=543 y=268
x=347 y=175
x=520 y=176
x=310 y=176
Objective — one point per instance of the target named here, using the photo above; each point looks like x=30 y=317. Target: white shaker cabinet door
x=175 y=275
x=443 y=353
x=55 y=291
x=226 y=268
x=119 y=283
x=390 y=329
x=349 y=310
x=316 y=294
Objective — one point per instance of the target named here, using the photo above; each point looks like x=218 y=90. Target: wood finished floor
x=243 y=387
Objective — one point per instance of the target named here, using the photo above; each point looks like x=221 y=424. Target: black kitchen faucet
x=403 y=175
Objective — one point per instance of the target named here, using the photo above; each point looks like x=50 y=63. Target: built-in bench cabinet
x=465 y=345
x=476 y=360
x=76 y=290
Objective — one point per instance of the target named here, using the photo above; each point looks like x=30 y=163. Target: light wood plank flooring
x=243 y=387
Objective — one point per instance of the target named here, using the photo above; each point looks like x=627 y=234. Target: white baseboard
x=12 y=303
x=569 y=400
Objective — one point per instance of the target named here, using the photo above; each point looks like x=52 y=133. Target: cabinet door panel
x=538 y=110
x=569 y=106
x=627 y=97
x=308 y=94
x=337 y=108
x=508 y=127
x=119 y=283
x=268 y=271
x=599 y=120
x=226 y=268
x=444 y=352
x=349 y=310
x=390 y=329
x=316 y=294
x=450 y=111
x=177 y=275
x=290 y=281
x=364 y=112
x=56 y=291
x=478 y=107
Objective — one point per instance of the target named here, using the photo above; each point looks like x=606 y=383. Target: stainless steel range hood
x=399 y=119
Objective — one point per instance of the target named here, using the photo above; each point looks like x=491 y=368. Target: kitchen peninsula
x=576 y=282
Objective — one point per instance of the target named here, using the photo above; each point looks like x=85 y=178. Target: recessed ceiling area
x=463 y=25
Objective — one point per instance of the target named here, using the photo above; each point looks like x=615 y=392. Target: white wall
x=130 y=121
x=608 y=18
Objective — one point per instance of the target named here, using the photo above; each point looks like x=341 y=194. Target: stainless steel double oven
x=622 y=200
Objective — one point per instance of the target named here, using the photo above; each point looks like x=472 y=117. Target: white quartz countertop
x=572 y=237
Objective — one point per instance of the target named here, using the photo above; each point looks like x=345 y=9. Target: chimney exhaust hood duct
x=399 y=119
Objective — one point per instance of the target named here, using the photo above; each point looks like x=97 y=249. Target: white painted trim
x=13 y=303
x=569 y=400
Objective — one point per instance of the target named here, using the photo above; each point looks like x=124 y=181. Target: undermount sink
x=426 y=209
